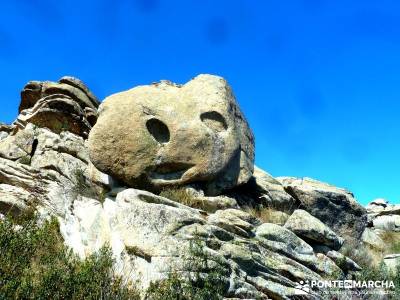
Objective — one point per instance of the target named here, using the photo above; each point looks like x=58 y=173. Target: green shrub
x=35 y=264
x=381 y=273
x=25 y=160
x=85 y=187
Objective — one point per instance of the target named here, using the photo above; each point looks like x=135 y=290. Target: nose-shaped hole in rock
x=214 y=120
x=158 y=130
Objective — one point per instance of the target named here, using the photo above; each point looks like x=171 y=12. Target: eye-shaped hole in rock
x=214 y=120
x=158 y=130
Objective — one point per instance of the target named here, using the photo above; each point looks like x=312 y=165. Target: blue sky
x=317 y=80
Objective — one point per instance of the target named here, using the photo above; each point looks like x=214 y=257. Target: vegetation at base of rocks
x=381 y=273
x=25 y=160
x=373 y=268
x=35 y=264
x=136 y=251
x=267 y=214
x=202 y=278
x=182 y=196
x=392 y=240
x=363 y=255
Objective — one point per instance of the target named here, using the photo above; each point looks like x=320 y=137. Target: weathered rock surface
x=68 y=86
x=377 y=205
x=49 y=168
x=345 y=263
x=273 y=192
x=67 y=105
x=167 y=135
x=384 y=215
x=336 y=207
x=372 y=239
x=306 y=226
x=387 y=222
x=284 y=241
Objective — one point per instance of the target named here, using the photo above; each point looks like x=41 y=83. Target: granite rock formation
x=165 y=134
x=48 y=163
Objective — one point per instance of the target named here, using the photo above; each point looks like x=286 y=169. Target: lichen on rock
x=113 y=174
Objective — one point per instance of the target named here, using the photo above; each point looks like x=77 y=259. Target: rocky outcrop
x=165 y=135
x=334 y=206
x=210 y=149
x=67 y=105
x=383 y=215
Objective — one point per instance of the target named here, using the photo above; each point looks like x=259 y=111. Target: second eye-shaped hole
x=158 y=130
x=214 y=120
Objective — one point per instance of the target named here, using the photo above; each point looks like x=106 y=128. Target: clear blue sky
x=317 y=80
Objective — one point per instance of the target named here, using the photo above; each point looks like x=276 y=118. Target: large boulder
x=334 y=206
x=310 y=228
x=47 y=167
x=164 y=135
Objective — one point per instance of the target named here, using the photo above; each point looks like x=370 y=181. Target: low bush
x=361 y=253
x=35 y=264
x=373 y=269
x=85 y=187
x=392 y=240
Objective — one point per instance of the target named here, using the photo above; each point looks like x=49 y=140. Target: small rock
x=345 y=263
x=372 y=239
x=306 y=226
x=392 y=262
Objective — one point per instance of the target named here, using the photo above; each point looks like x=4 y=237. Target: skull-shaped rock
x=165 y=134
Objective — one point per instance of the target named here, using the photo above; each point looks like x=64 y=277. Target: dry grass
x=268 y=215
x=361 y=253
x=182 y=196
x=392 y=240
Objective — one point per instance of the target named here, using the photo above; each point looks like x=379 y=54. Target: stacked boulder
x=383 y=215
x=99 y=170
x=384 y=219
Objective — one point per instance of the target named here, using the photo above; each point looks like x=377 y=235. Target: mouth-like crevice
x=170 y=171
